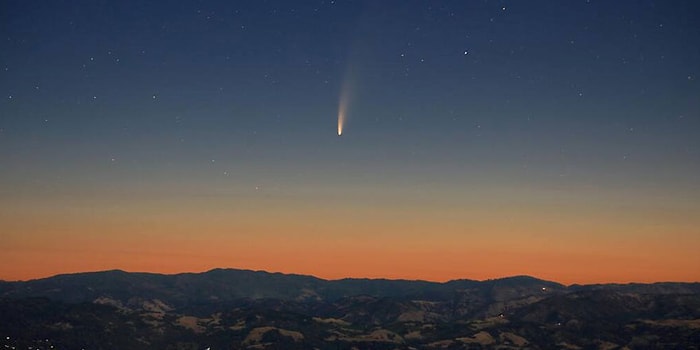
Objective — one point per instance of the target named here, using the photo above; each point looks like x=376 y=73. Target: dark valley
x=241 y=309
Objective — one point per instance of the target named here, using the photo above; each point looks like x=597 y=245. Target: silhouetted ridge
x=225 y=285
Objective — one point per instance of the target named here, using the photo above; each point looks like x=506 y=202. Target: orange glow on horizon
x=348 y=237
x=305 y=250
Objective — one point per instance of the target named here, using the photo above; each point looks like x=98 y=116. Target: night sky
x=482 y=139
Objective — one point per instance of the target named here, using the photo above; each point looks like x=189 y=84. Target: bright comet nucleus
x=341 y=119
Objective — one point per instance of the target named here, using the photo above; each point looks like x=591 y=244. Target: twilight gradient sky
x=559 y=139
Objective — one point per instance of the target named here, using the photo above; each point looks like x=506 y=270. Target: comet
x=343 y=106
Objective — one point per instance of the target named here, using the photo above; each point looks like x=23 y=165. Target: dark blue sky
x=595 y=103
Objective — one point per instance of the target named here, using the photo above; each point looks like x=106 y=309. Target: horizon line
x=336 y=279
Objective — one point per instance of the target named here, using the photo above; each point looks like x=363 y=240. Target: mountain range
x=242 y=309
